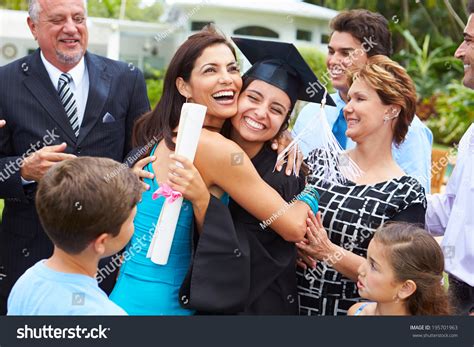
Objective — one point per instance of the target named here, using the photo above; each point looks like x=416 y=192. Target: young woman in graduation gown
x=270 y=90
x=203 y=70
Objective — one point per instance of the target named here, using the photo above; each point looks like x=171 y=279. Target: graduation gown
x=238 y=266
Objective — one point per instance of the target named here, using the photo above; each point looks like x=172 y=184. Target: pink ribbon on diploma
x=166 y=191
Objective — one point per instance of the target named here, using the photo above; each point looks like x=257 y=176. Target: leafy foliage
x=154 y=83
x=133 y=11
x=454 y=113
x=106 y=8
x=317 y=62
x=431 y=69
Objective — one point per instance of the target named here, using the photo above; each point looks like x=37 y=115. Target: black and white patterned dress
x=351 y=213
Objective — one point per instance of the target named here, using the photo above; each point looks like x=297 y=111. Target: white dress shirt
x=79 y=84
x=452 y=214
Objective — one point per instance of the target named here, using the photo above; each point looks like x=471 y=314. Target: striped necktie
x=69 y=102
x=339 y=129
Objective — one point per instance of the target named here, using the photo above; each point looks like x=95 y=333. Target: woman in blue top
x=203 y=70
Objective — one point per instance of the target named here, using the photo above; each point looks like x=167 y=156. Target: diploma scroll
x=189 y=130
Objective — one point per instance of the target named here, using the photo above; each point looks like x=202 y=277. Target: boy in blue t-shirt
x=86 y=206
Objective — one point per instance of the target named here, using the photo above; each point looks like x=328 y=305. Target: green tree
x=439 y=18
x=431 y=69
x=19 y=5
x=133 y=11
x=453 y=113
x=105 y=8
x=154 y=84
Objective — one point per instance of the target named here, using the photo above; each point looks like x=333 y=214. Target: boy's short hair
x=79 y=199
x=470 y=7
x=365 y=25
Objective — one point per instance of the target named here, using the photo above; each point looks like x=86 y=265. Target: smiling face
x=215 y=82
x=465 y=53
x=344 y=50
x=262 y=110
x=376 y=280
x=365 y=112
x=61 y=32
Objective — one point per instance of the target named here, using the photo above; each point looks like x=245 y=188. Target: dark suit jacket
x=35 y=117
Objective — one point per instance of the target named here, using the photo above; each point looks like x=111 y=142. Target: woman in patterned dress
x=382 y=100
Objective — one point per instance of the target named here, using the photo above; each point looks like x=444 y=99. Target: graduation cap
x=281 y=65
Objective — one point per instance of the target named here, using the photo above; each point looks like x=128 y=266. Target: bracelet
x=310 y=197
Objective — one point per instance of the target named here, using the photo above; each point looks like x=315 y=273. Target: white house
x=133 y=42
x=153 y=44
x=285 y=20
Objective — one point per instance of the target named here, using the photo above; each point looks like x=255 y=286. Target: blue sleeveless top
x=143 y=287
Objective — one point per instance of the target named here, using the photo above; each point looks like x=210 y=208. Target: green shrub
x=454 y=113
x=430 y=68
x=317 y=62
x=154 y=84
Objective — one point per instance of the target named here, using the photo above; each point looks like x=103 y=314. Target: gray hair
x=34 y=9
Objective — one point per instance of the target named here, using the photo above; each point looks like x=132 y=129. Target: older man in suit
x=58 y=102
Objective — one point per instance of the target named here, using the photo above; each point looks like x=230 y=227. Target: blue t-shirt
x=44 y=291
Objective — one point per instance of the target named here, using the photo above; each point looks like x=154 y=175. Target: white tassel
x=338 y=166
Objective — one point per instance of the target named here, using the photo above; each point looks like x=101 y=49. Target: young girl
x=402 y=274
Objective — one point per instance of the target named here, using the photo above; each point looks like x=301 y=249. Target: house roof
x=295 y=8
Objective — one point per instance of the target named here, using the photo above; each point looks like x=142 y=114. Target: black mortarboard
x=281 y=65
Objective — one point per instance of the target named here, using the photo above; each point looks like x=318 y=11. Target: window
x=304 y=35
x=325 y=38
x=256 y=31
x=196 y=26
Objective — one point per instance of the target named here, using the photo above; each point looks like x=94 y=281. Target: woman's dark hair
x=164 y=118
x=415 y=255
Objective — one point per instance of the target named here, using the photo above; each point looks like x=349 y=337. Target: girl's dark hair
x=227 y=127
x=246 y=81
x=164 y=118
x=415 y=255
